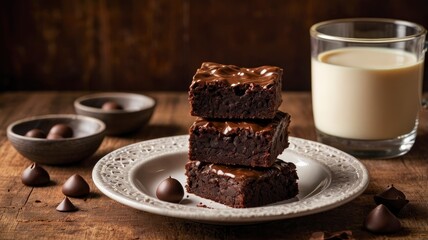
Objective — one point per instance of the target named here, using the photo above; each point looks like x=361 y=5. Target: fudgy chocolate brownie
x=228 y=91
x=242 y=187
x=250 y=143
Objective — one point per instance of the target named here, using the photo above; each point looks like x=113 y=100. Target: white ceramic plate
x=130 y=175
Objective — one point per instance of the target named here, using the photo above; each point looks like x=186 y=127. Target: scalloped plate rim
x=230 y=215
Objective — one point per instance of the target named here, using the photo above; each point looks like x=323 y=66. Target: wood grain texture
x=158 y=44
x=29 y=213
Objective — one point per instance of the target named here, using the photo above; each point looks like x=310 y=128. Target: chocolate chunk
x=381 y=220
x=170 y=190
x=392 y=198
x=75 y=186
x=35 y=175
x=66 y=206
x=61 y=129
x=110 y=105
x=36 y=133
x=340 y=235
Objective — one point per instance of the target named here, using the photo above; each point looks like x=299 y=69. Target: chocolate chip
x=381 y=220
x=392 y=198
x=170 y=190
x=66 y=206
x=75 y=186
x=35 y=175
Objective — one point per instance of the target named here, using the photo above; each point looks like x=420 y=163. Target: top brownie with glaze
x=231 y=92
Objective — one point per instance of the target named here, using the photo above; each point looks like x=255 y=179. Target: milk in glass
x=366 y=93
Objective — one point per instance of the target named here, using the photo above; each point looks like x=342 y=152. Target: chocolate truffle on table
x=35 y=175
x=242 y=187
x=75 y=186
x=170 y=190
x=247 y=143
x=228 y=91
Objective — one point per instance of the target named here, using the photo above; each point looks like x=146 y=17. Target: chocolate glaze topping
x=227 y=127
x=263 y=76
x=244 y=171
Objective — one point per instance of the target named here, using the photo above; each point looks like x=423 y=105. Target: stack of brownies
x=236 y=139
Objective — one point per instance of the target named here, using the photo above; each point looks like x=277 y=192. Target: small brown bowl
x=88 y=134
x=136 y=113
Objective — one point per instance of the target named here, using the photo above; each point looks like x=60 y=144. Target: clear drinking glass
x=367 y=84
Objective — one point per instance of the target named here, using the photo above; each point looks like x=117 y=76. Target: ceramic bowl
x=136 y=113
x=88 y=134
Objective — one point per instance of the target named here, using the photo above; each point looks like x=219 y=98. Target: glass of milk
x=367 y=84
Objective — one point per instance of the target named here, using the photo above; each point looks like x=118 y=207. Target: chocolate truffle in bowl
x=70 y=139
x=36 y=133
x=111 y=105
x=62 y=130
x=121 y=112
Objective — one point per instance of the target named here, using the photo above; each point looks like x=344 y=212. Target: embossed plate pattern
x=328 y=178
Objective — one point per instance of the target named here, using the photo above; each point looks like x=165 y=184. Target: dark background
x=158 y=44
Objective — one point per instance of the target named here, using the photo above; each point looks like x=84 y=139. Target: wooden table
x=27 y=213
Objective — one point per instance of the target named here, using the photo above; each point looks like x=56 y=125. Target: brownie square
x=242 y=187
x=248 y=143
x=228 y=91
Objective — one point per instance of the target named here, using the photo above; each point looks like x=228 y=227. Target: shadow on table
x=159 y=130
x=148 y=132
x=419 y=149
x=152 y=131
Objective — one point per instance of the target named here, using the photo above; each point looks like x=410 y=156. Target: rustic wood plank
x=27 y=213
x=92 y=45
